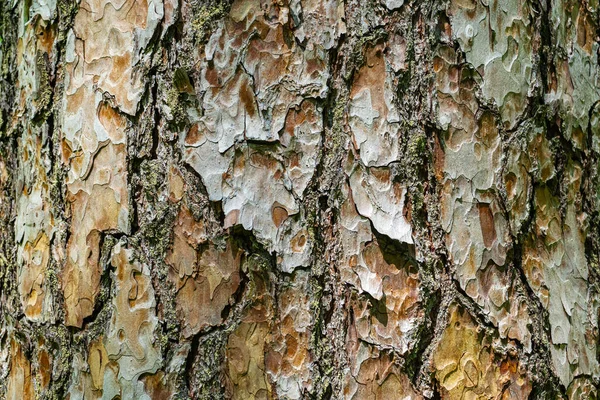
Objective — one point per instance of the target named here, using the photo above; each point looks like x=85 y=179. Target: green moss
x=207 y=365
x=182 y=82
x=153 y=177
x=338 y=118
x=158 y=234
x=175 y=102
x=67 y=9
x=44 y=95
x=416 y=151
x=52 y=279
x=203 y=24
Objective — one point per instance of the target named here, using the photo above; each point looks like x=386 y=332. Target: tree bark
x=285 y=199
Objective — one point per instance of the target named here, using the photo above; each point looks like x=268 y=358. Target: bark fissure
x=299 y=199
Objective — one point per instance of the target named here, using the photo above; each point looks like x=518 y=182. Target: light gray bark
x=299 y=199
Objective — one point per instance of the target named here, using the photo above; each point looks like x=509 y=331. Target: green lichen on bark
x=335 y=199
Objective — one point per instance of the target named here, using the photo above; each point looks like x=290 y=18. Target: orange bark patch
x=45 y=368
x=247 y=99
x=194 y=136
x=279 y=215
x=372 y=77
x=113 y=122
x=205 y=277
x=486 y=220
x=97 y=360
x=157 y=386
x=439 y=159
x=20 y=384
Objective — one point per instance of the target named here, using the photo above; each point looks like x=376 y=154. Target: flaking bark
x=245 y=199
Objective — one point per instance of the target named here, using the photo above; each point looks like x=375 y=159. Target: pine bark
x=285 y=199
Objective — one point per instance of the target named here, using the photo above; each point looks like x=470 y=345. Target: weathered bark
x=382 y=199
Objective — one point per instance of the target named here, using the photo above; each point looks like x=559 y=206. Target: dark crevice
x=415 y=358
x=155 y=133
x=102 y=301
x=474 y=309
x=248 y=242
x=541 y=325
x=50 y=134
x=191 y=357
x=436 y=392
x=237 y=297
x=200 y=186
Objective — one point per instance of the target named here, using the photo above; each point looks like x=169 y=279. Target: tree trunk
x=376 y=199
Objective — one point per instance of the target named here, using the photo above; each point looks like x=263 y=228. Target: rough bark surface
x=256 y=199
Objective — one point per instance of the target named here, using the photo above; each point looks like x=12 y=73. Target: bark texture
x=285 y=199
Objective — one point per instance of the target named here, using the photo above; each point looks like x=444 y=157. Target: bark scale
x=380 y=199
